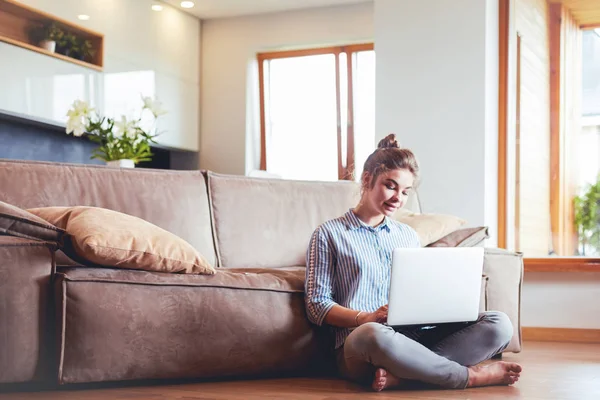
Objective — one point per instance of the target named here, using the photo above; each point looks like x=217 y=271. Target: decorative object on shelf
x=53 y=38
x=123 y=142
x=75 y=47
x=46 y=36
x=44 y=33
x=587 y=219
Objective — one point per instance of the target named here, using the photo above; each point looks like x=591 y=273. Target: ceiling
x=585 y=12
x=207 y=9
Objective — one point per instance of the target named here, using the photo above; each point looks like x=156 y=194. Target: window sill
x=562 y=264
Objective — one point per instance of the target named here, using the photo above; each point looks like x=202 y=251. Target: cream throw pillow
x=110 y=238
x=429 y=227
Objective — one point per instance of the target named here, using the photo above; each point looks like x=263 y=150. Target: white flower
x=126 y=128
x=154 y=106
x=76 y=125
x=79 y=116
x=82 y=108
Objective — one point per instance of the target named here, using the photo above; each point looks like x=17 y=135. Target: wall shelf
x=17 y=20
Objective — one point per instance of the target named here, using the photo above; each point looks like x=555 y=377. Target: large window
x=556 y=155
x=317 y=111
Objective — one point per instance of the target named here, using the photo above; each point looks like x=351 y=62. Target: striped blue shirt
x=348 y=263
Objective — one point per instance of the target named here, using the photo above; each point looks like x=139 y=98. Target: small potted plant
x=123 y=142
x=47 y=36
x=68 y=45
x=587 y=218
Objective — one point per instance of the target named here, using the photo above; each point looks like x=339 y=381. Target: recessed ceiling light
x=83 y=17
x=157 y=7
x=187 y=4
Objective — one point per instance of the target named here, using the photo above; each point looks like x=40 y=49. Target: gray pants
x=438 y=356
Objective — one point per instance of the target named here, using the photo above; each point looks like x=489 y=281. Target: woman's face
x=390 y=191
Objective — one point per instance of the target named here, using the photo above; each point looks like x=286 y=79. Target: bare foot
x=384 y=380
x=498 y=373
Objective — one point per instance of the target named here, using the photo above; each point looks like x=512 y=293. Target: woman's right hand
x=379 y=316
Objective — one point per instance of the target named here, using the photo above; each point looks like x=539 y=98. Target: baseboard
x=561 y=335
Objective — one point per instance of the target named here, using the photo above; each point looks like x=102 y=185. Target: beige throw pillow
x=429 y=227
x=110 y=238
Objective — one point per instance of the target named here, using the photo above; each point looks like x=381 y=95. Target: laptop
x=432 y=286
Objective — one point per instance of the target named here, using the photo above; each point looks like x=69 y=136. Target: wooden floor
x=550 y=371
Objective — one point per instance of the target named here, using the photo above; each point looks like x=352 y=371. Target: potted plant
x=47 y=36
x=587 y=218
x=87 y=51
x=122 y=142
x=68 y=45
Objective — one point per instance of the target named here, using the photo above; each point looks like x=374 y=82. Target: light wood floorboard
x=551 y=371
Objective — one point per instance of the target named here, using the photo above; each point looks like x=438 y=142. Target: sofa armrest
x=26 y=268
x=504 y=271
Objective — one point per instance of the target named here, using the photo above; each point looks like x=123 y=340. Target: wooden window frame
x=345 y=172
x=549 y=264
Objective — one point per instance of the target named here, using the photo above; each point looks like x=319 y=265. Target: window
x=555 y=174
x=317 y=112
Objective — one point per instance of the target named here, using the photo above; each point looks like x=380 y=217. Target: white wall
x=561 y=300
x=156 y=53
x=230 y=129
x=437 y=64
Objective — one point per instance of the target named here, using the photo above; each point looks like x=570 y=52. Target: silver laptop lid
x=435 y=285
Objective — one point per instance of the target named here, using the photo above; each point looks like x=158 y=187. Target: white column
x=437 y=89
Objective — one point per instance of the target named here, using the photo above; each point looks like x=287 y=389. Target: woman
x=347 y=280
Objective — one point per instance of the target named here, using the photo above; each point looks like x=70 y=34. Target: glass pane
x=557 y=206
x=343 y=64
x=584 y=162
x=301 y=117
x=364 y=108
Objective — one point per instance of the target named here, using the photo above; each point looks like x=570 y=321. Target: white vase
x=49 y=45
x=126 y=163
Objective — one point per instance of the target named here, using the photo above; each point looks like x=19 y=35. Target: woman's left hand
x=379 y=316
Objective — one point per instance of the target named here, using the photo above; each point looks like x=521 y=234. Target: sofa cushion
x=109 y=238
x=267 y=223
x=465 y=237
x=26 y=347
x=429 y=227
x=15 y=221
x=176 y=201
x=287 y=280
x=237 y=322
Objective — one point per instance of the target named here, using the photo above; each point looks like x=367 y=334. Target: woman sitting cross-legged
x=347 y=281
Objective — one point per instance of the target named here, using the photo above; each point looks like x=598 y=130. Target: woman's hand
x=379 y=316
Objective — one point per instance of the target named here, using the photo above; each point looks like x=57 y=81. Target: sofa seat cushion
x=289 y=279
x=126 y=325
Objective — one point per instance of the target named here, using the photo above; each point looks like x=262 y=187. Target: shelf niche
x=17 y=20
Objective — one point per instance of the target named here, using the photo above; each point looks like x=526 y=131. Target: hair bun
x=388 y=142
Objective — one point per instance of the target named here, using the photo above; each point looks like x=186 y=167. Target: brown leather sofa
x=64 y=323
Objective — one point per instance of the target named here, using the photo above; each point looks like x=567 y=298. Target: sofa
x=64 y=322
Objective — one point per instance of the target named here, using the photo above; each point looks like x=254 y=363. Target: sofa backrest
x=267 y=223
x=173 y=200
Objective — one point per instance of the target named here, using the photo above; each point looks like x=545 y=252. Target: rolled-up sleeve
x=320 y=269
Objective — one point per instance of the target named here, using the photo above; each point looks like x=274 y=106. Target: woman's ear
x=365 y=180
